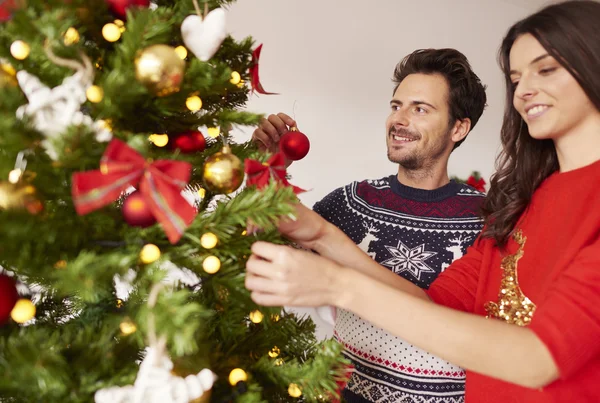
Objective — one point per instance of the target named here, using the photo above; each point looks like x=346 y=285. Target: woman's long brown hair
x=570 y=32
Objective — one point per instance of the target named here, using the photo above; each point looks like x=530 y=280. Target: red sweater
x=557 y=292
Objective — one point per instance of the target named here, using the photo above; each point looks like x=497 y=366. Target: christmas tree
x=124 y=217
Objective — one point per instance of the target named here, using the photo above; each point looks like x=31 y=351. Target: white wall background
x=332 y=62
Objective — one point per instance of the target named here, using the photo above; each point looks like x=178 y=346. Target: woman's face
x=546 y=95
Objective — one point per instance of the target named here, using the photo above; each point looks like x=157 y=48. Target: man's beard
x=416 y=160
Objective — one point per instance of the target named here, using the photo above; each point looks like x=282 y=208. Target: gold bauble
x=19 y=196
x=160 y=69
x=223 y=172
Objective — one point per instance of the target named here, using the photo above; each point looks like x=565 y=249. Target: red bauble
x=136 y=211
x=8 y=297
x=294 y=145
x=119 y=7
x=189 y=142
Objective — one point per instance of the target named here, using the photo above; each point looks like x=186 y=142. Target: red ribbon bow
x=160 y=183
x=259 y=173
x=478 y=184
x=254 y=78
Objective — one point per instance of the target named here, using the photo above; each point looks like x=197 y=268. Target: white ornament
x=204 y=36
x=54 y=110
x=156 y=384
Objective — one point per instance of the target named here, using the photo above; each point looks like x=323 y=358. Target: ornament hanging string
x=85 y=67
x=197 y=7
x=158 y=344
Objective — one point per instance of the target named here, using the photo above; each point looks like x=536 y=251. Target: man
x=415 y=222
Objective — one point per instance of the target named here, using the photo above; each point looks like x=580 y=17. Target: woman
x=521 y=310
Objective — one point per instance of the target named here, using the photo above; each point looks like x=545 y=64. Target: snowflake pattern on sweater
x=416 y=234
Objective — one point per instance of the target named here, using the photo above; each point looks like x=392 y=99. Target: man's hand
x=269 y=132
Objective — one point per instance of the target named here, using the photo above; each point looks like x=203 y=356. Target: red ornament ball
x=8 y=297
x=136 y=212
x=189 y=142
x=294 y=145
x=119 y=7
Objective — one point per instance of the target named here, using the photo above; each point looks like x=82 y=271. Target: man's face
x=418 y=127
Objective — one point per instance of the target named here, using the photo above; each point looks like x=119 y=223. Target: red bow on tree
x=6 y=9
x=476 y=181
x=260 y=173
x=343 y=382
x=160 y=183
x=254 y=78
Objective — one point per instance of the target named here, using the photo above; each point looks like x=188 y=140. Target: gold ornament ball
x=194 y=103
x=211 y=264
x=235 y=78
x=160 y=69
x=127 y=327
x=237 y=375
x=7 y=76
x=294 y=390
x=149 y=253
x=256 y=316
x=209 y=240
x=20 y=50
x=275 y=351
x=94 y=94
x=181 y=52
x=111 y=32
x=71 y=37
x=223 y=172
x=19 y=196
x=23 y=311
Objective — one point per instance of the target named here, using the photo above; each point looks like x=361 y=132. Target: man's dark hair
x=467 y=94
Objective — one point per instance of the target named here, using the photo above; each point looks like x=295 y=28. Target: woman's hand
x=281 y=275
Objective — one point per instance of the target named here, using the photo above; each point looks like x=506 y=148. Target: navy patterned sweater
x=416 y=234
